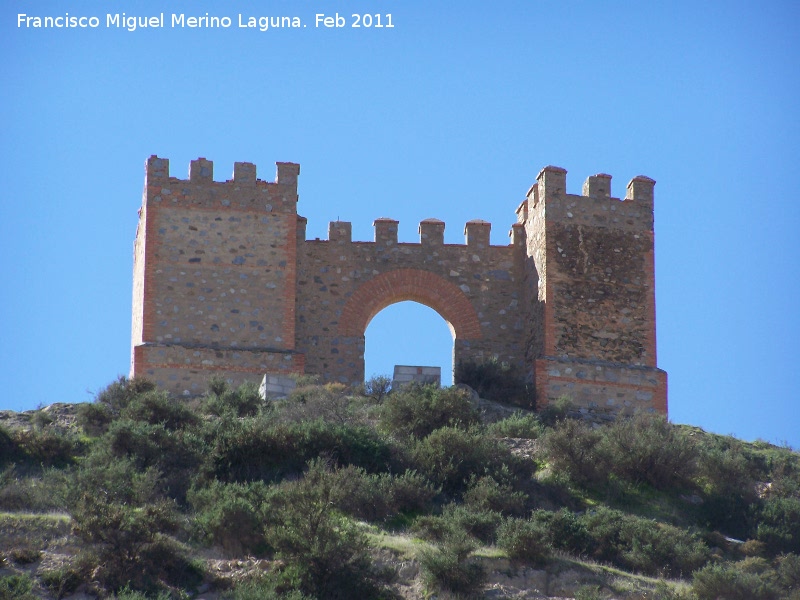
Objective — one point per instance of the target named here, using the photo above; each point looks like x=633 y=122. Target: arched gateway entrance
x=416 y=285
x=410 y=284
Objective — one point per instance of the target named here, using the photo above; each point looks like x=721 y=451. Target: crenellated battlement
x=552 y=182
x=244 y=191
x=226 y=283
x=431 y=233
x=595 y=206
x=201 y=171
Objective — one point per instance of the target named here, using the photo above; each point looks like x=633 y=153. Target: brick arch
x=399 y=285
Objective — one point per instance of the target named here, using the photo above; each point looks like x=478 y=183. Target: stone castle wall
x=225 y=283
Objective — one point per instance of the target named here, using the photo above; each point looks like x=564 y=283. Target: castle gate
x=226 y=283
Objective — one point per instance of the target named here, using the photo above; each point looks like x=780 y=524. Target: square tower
x=594 y=340
x=214 y=276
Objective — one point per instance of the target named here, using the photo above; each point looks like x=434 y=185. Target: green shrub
x=449 y=456
x=119 y=513
x=417 y=410
x=119 y=394
x=573 y=448
x=647 y=448
x=62 y=581
x=361 y=494
x=643 y=545
x=659 y=549
x=486 y=493
x=94 y=418
x=789 y=572
x=231 y=516
x=331 y=402
x=731 y=582
x=556 y=411
x=495 y=380
x=34 y=493
x=377 y=387
x=244 y=401
x=565 y=531
x=779 y=524
x=525 y=541
x=157 y=407
x=519 y=425
x=456 y=519
x=46 y=447
x=127 y=593
x=176 y=454
x=262 y=588
x=16 y=587
x=115 y=479
x=412 y=492
x=448 y=567
x=25 y=555
x=729 y=482
x=123 y=536
x=252 y=449
x=8 y=448
x=323 y=551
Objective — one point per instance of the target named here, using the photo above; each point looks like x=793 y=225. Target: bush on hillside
x=449 y=456
x=647 y=448
x=157 y=407
x=779 y=525
x=732 y=581
x=231 y=516
x=323 y=551
x=16 y=587
x=564 y=531
x=44 y=447
x=379 y=496
x=525 y=541
x=457 y=519
x=243 y=401
x=789 y=573
x=486 y=493
x=448 y=567
x=131 y=545
x=176 y=454
x=519 y=425
x=377 y=388
x=643 y=545
x=256 y=449
x=263 y=588
x=728 y=479
x=110 y=402
x=573 y=447
x=417 y=410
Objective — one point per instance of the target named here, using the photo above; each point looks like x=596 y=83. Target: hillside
x=416 y=493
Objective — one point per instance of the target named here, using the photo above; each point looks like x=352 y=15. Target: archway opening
x=408 y=333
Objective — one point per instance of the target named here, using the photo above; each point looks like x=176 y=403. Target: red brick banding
x=410 y=284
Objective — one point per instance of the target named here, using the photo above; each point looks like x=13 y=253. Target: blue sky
x=449 y=114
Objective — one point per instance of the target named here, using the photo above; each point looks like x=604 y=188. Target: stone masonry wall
x=343 y=284
x=225 y=283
